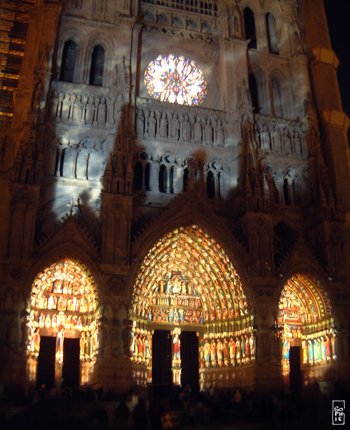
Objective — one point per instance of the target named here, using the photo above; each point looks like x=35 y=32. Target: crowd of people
x=162 y=408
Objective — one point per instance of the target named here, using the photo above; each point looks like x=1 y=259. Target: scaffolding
x=14 y=18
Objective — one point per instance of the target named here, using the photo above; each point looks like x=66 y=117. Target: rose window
x=174 y=79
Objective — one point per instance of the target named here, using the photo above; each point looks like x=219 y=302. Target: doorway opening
x=46 y=362
x=190 y=360
x=161 y=353
x=63 y=325
x=295 y=380
x=187 y=284
x=306 y=329
x=71 y=363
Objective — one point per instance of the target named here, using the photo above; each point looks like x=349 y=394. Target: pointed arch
x=163 y=178
x=272 y=37
x=69 y=56
x=64 y=304
x=249 y=27
x=97 y=66
x=138 y=175
x=187 y=280
x=305 y=320
x=210 y=185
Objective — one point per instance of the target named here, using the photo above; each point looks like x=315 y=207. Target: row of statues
x=141 y=346
x=227 y=351
x=96 y=110
x=175 y=315
x=281 y=139
x=63 y=303
x=319 y=350
x=176 y=126
x=177 y=301
x=52 y=320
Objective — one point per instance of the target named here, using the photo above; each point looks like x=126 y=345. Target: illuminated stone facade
x=214 y=201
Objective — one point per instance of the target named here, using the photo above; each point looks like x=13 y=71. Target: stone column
x=268 y=372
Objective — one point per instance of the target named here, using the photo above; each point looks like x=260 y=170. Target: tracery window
x=272 y=37
x=175 y=79
x=249 y=27
x=97 y=66
x=68 y=61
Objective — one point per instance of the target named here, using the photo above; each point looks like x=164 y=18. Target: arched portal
x=63 y=309
x=188 y=283
x=306 y=324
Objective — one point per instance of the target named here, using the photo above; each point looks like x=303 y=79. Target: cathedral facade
x=174 y=195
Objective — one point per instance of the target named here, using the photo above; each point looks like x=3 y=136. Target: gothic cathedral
x=175 y=195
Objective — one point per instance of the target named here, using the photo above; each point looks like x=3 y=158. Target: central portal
x=190 y=319
x=175 y=359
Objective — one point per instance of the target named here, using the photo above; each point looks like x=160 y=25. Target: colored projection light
x=174 y=79
x=187 y=278
x=305 y=319
x=63 y=304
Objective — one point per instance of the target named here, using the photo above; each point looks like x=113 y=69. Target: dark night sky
x=338 y=12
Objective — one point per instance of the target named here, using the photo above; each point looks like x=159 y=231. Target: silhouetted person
x=121 y=416
x=139 y=415
x=155 y=413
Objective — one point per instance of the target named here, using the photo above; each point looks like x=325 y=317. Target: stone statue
x=186 y=129
x=101 y=112
x=53 y=104
x=90 y=110
x=140 y=123
x=287 y=142
x=175 y=127
x=220 y=134
x=265 y=138
x=152 y=123
x=208 y=132
x=163 y=128
x=78 y=108
x=197 y=130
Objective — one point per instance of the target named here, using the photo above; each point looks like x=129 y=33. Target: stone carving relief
x=280 y=136
x=87 y=106
x=195 y=125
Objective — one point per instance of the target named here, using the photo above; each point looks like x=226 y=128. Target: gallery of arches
x=174 y=196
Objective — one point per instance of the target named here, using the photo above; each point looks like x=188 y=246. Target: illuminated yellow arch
x=206 y=266
x=311 y=302
x=305 y=320
x=187 y=281
x=63 y=303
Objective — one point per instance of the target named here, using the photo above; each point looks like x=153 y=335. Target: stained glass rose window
x=175 y=79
